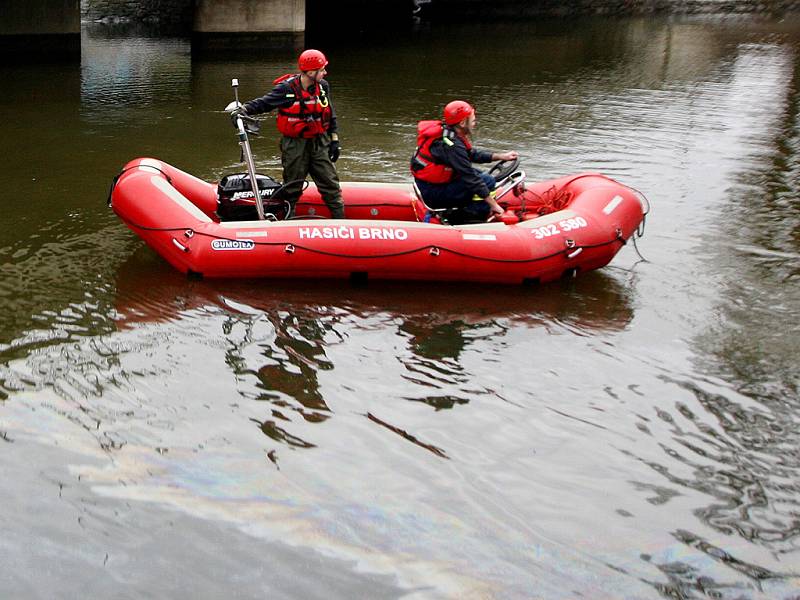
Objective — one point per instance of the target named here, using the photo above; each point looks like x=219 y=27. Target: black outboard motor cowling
x=235 y=200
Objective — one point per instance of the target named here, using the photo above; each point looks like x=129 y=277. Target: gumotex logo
x=233 y=244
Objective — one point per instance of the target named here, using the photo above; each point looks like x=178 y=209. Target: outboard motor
x=235 y=201
x=235 y=197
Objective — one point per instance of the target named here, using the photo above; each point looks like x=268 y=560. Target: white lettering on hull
x=564 y=225
x=343 y=232
x=233 y=245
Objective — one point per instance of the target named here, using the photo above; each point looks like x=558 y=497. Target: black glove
x=334 y=150
x=239 y=111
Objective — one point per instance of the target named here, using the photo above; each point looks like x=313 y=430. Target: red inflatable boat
x=550 y=229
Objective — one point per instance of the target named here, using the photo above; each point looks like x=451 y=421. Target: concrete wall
x=40 y=30
x=559 y=8
x=223 y=26
x=40 y=17
x=230 y=16
x=203 y=16
x=171 y=12
x=295 y=16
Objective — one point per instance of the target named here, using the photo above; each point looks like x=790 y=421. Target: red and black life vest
x=310 y=113
x=423 y=165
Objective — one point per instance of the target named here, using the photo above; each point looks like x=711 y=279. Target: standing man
x=307 y=120
x=442 y=164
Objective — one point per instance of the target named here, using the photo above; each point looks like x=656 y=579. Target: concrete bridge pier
x=40 y=29
x=224 y=25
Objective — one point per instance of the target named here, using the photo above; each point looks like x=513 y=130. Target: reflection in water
x=288 y=380
x=752 y=444
x=263 y=335
x=303 y=326
x=407 y=436
x=435 y=361
x=139 y=72
x=763 y=266
x=735 y=443
x=51 y=299
x=148 y=290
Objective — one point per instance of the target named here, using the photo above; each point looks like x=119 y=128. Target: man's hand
x=333 y=150
x=239 y=111
x=512 y=155
x=496 y=209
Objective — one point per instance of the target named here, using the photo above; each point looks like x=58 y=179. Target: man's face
x=317 y=75
x=468 y=124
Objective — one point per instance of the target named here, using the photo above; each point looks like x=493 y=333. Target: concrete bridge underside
x=31 y=28
x=52 y=27
x=219 y=24
x=40 y=27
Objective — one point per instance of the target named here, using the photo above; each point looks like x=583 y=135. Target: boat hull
x=384 y=236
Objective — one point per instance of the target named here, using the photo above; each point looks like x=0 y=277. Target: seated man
x=442 y=165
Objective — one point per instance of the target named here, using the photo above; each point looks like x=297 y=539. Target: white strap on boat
x=615 y=202
x=170 y=192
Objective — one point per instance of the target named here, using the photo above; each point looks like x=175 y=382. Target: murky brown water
x=632 y=434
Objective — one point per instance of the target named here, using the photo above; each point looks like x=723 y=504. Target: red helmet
x=456 y=111
x=311 y=60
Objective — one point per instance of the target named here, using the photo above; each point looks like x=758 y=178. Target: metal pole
x=248 y=155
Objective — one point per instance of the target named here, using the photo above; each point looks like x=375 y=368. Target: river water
x=634 y=433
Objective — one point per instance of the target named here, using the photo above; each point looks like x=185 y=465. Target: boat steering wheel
x=502 y=169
